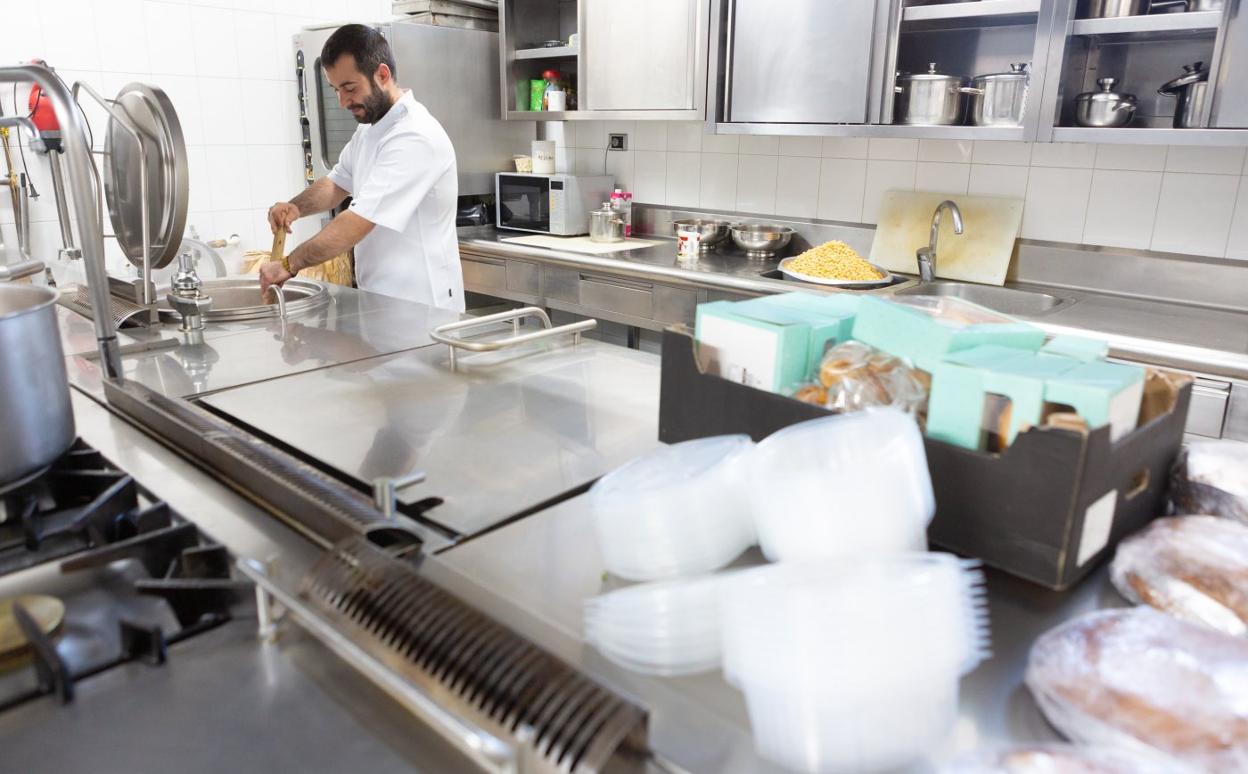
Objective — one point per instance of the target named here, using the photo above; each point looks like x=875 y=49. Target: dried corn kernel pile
x=834 y=260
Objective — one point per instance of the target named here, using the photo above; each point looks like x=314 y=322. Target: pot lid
x=933 y=74
x=1193 y=73
x=1017 y=72
x=1106 y=94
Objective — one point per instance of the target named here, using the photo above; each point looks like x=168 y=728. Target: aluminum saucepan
x=712 y=232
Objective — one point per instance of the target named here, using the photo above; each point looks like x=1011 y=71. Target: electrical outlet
x=617 y=142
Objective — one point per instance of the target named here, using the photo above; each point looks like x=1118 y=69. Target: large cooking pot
x=1192 y=90
x=998 y=99
x=1104 y=108
x=929 y=99
x=36 y=420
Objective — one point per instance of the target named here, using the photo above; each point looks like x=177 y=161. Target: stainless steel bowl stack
x=760 y=240
x=712 y=232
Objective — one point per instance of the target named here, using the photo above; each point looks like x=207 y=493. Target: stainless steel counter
x=504 y=434
x=1190 y=336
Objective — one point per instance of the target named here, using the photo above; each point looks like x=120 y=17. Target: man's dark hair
x=365 y=44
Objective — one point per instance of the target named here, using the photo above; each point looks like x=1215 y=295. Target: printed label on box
x=1098 y=519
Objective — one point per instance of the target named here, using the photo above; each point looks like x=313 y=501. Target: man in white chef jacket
x=398 y=169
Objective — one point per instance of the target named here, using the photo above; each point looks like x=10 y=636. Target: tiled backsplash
x=1181 y=199
x=228 y=67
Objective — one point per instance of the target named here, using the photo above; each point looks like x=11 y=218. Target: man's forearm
x=343 y=233
x=321 y=196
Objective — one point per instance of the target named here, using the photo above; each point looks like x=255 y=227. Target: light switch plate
x=617 y=142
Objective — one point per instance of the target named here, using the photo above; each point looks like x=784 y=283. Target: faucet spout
x=926 y=256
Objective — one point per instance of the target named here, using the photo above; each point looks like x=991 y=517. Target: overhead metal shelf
x=1160 y=26
x=980 y=13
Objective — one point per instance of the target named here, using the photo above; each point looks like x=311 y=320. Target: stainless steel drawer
x=523 y=277
x=561 y=284
x=483 y=274
x=624 y=297
x=675 y=305
x=1207 y=413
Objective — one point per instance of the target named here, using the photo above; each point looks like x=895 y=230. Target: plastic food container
x=680 y=510
x=842 y=486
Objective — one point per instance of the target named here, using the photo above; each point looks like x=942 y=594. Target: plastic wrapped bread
x=1145 y=681
x=1211 y=477
x=1063 y=759
x=1192 y=567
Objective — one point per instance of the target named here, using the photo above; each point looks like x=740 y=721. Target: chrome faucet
x=186 y=294
x=927 y=255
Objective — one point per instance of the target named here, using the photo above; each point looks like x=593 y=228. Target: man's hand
x=282 y=215
x=272 y=273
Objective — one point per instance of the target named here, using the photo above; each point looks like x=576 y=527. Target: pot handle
x=1166 y=4
x=898 y=90
x=1128 y=106
x=20 y=269
x=970 y=90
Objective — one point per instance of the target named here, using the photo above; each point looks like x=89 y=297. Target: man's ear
x=384 y=76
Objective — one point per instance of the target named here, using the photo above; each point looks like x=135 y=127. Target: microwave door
x=524 y=205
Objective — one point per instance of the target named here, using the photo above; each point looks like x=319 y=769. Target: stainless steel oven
x=555 y=204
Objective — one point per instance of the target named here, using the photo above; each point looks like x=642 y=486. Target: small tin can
x=688 y=244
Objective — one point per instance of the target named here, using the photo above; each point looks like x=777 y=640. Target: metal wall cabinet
x=1144 y=52
x=634 y=60
x=863 y=44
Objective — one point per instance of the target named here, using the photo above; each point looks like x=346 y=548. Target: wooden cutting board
x=980 y=254
x=582 y=244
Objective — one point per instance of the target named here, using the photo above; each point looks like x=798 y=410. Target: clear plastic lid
x=671 y=465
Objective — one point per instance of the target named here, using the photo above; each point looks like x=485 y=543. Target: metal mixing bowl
x=761 y=240
x=713 y=232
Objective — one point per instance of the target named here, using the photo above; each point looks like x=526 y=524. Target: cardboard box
x=923 y=328
x=1048 y=509
x=831 y=319
x=1102 y=393
x=765 y=348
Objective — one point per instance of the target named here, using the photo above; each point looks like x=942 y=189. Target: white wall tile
x=266 y=169
x=845 y=147
x=892 y=149
x=685 y=136
x=801 y=146
x=184 y=93
x=1016 y=154
x=1195 y=212
x=198 y=177
x=263 y=113
x=215 y=94
x=72 y=39
x=650 y=177
x=942 y=177
x=797 y=186
x=591 y=134
x=22 y=36
x=756 y=183
x=1121 y=208
x=946 y=150
x=621 y=127
x=1143 y=158
x=229 y=184
x=885 y=176
x=620 y=166
x=759 y=144
x=590 y=161
x=121 y=50
x=998 y=180
x=257 y=56
x=1063 y=154
x=721 y=143
x=1237 y=244
x=651 y=136
x=166 y=41
x=719 y=180
x=1057 y=202
x=1199 y=158
x=842 y=183
x=684 y=178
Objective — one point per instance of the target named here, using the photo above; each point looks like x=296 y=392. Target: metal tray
x=887 y=279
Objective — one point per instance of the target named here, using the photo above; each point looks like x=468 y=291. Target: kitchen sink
x=1024 y=303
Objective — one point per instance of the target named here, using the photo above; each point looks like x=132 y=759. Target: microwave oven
x=556 y=204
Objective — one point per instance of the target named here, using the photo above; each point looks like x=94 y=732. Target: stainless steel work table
x=507 y=432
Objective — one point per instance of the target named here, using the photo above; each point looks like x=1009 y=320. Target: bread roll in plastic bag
x=1064 y=759
x=1212 y=477
x=855 y=376
x=1142 y=680
x=1191 y=567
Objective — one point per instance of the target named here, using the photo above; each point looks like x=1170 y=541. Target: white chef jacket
x=401 y=175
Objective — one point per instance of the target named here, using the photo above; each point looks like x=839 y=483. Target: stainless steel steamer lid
x=168 y=192
x=932 y=74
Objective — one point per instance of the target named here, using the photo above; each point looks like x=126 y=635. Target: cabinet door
x=799 y=61
x=640 y=54
x=1230 y=95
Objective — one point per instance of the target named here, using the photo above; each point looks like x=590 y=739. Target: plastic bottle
x=622 y=203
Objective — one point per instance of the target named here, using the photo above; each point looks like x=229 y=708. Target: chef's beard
x=375 y=106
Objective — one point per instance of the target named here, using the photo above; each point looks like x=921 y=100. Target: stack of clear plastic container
x=843 y=486
x=680 y=510
x=852 y=666
x=664 y=628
